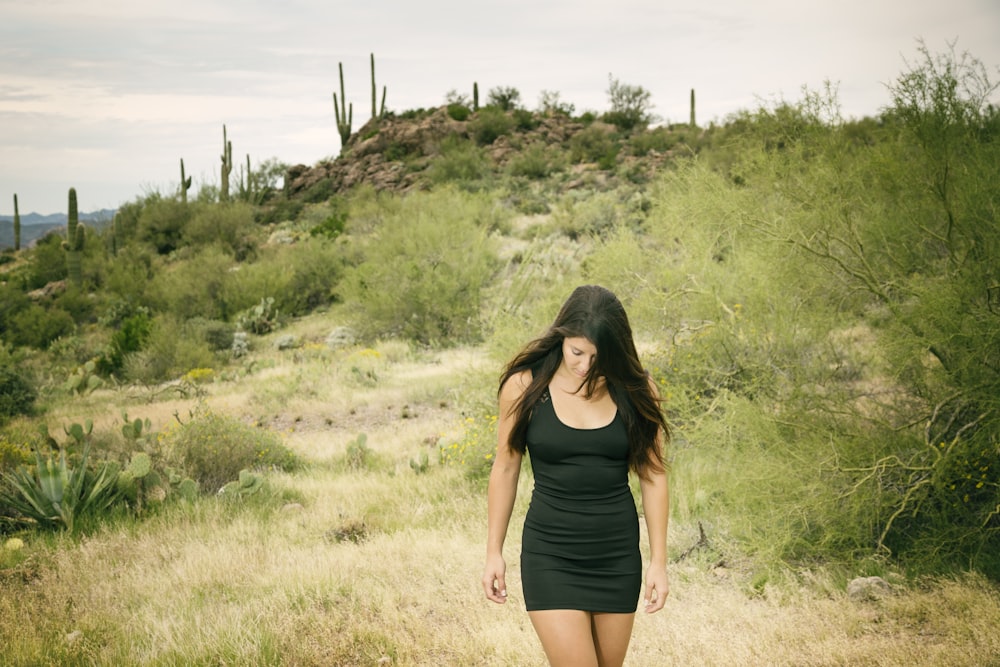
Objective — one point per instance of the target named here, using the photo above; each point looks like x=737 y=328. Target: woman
x=579 y=402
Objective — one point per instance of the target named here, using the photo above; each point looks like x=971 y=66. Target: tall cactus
x=185 y=184
x=475 y=96
x=75 y=233
x=227 y=166
x=693 y=124
x=381 y=111
x=344 y=114
x=17 y=226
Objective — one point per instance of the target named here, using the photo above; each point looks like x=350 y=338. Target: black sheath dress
x=580 y=546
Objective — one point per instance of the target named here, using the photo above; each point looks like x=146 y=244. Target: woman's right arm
x=502 y=490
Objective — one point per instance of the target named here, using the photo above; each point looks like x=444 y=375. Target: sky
x=107 y=96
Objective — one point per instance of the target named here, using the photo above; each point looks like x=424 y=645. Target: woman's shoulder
x=515 y=385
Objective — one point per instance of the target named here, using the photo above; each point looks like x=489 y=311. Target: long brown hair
x=596 y=314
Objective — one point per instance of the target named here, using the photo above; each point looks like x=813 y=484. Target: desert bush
x=17 y=394
x=169 y=352
x=473 y=450
x=36 y=326
x=218 y=335
x=506 y=98
x=228 y=225
x=213 y=448
x=198 y=287
x=594 y=143
x=489 y=124
x=537 y=161
x=130 y=336
x=48 y=261
x=423 y=276
x=163 y=222
x=630 y=106
x=460 y=161
x=458 y=111
x=658 y=139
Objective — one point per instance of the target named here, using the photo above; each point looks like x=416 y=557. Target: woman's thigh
x=612 y=633
x=567 y=636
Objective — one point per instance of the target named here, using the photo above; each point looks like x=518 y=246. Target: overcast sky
x=107 y=95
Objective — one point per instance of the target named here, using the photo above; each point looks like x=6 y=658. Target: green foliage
x=332 y=226
x=630 y=106
x=56 y=494
x=171 y=350
x=230 y=226
x=594 y=144
x=17 y=394
x=489 y=124
x=505 y=98
x=461 y=161
x=37 y=326
x=459 y=112
x=13 y=453
x=162 y=223
x=130 y=336
x=48 y=261
x=536 y=162
x=213 y=449
x=423 y=276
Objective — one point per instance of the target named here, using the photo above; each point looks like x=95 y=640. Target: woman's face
x=578 y=355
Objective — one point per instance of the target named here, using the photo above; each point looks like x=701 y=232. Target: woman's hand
x=493 y=579
x=657 y=588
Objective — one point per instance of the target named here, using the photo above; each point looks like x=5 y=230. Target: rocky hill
x=393 y=153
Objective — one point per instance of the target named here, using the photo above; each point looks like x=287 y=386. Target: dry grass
x=380 y=565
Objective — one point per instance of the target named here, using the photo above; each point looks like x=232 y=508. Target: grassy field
x=366 y=561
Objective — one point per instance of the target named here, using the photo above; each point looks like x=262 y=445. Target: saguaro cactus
x=475 y=96
x=693 y=124
x=344 y=114
x=75 y=233
x=381 y=111
x=227 y=166
x=185 y=184
x=17 y=226
x=117 y=233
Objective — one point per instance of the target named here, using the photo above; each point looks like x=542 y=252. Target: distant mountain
x=35 y=225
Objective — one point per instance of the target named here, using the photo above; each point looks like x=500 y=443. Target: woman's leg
x=567 y=635
x=612 y=633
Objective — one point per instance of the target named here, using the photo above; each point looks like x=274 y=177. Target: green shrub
x=489 y=124
x=130 y=337
x=230 y=225
x=214 y=448
x=36 y=326
x=537 y=161
x=13 y=453
x=593 y=144
x=162 y=223
x=48 y=261
x=658 y=139
x=300 y=277
x=17 y=394
x=459 y=112
x=460 y=161
x=524 y=120
x=506 y=98
x=218 y=335
x=630 y=105
x=199 y=287
x=170 y=351
x=424 y=275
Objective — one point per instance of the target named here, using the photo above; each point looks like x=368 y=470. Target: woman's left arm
x=656 y=509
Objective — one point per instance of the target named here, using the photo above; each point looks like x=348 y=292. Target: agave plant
x=54 y=494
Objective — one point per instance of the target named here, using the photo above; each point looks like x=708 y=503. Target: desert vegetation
x=254 y=428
